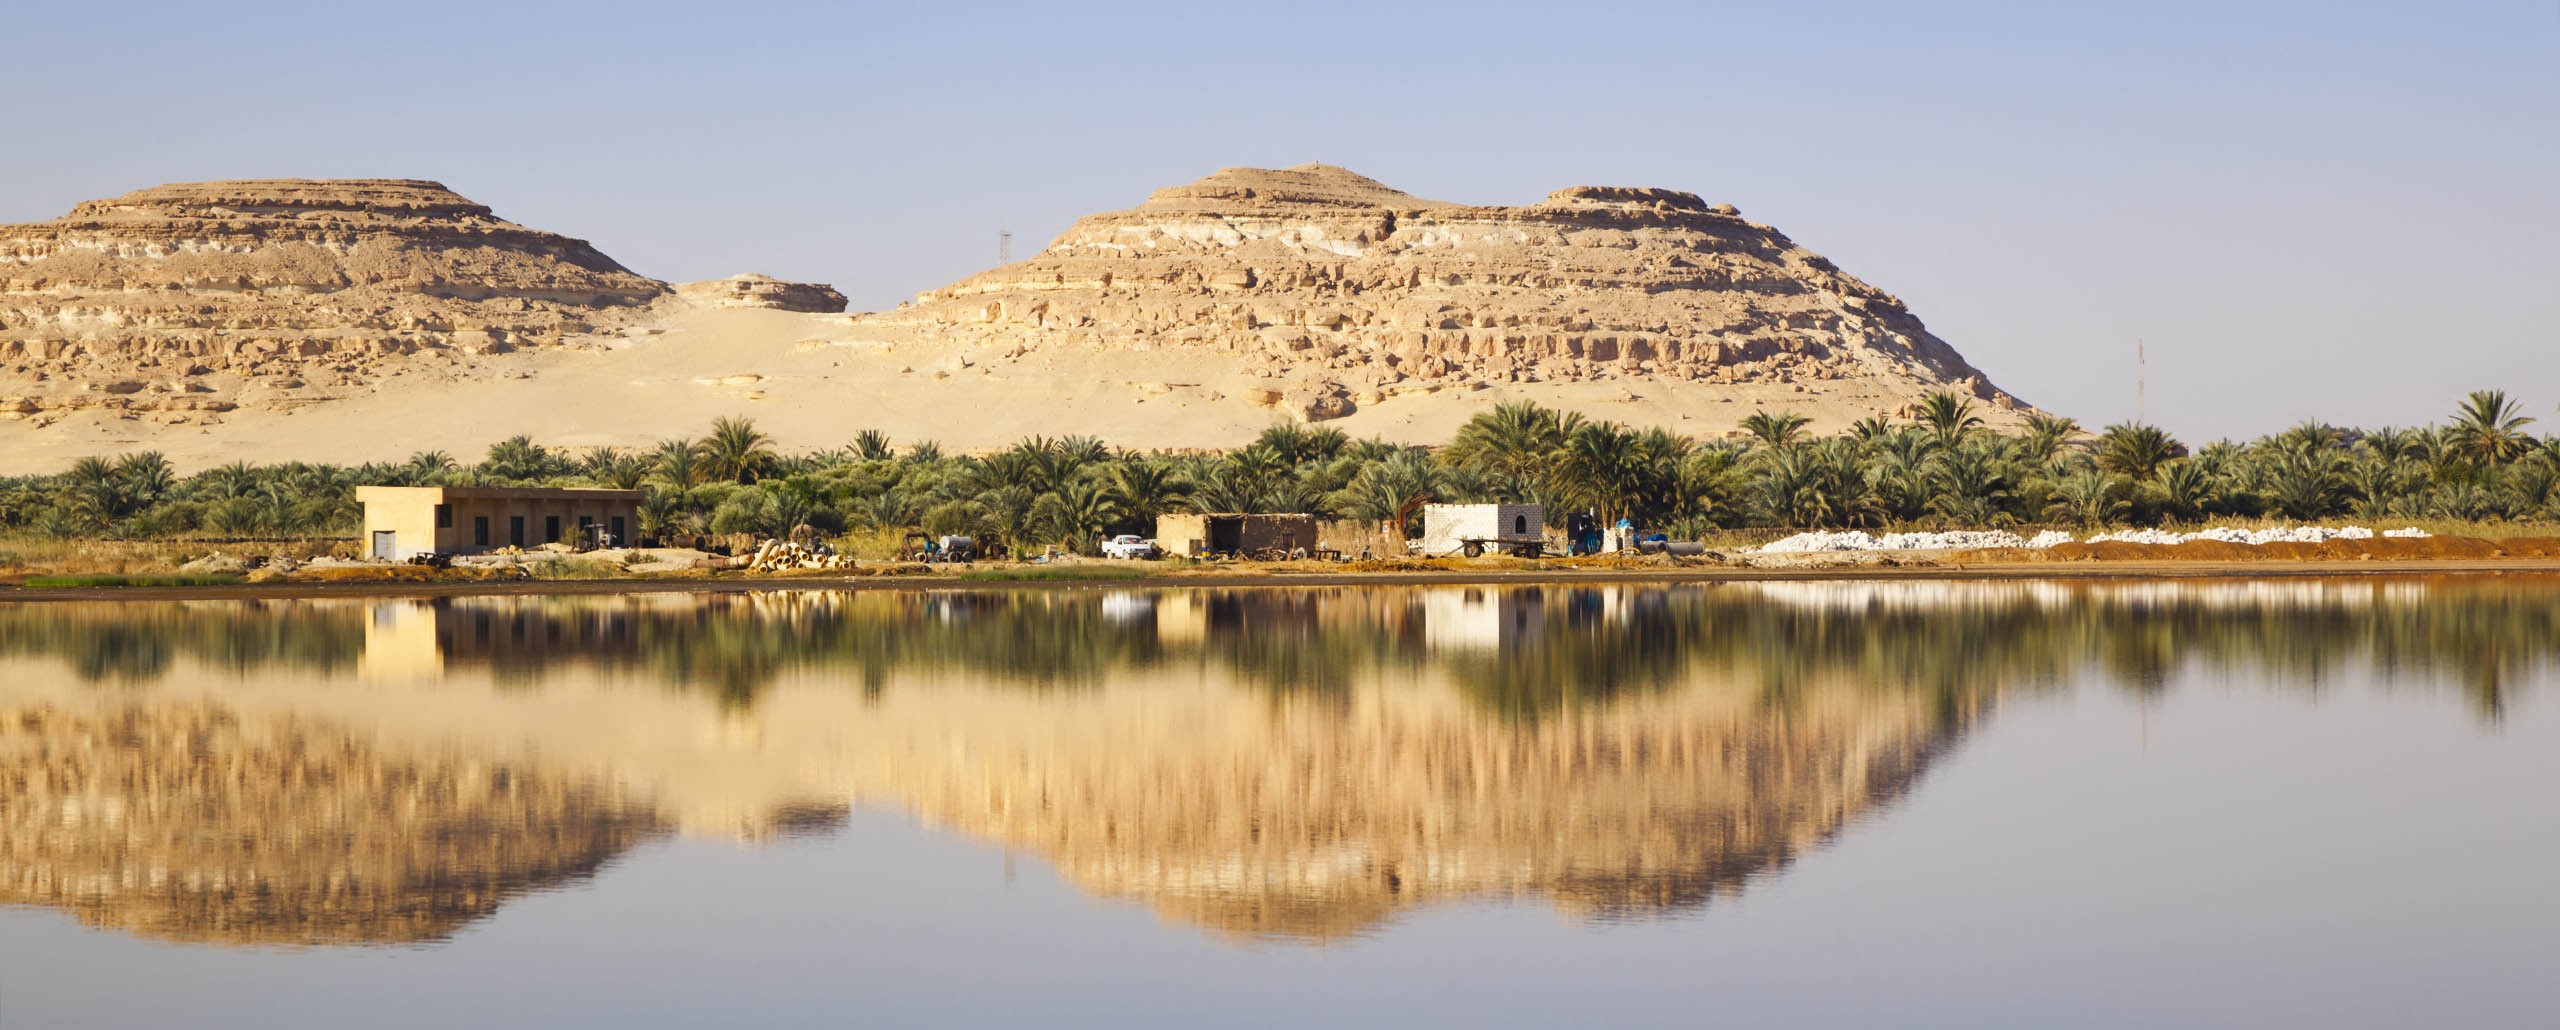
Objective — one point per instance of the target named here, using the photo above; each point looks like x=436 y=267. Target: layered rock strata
x=763 y=291
x=1344 y=291
x=200 y=296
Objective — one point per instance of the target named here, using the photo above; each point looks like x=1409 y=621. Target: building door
x=384 y=543
x=515 y=530
x=551 y=529
x=479 y=531
x=619 y=540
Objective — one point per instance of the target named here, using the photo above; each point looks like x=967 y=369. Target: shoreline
x=2002 y=571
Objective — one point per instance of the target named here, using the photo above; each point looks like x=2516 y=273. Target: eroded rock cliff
x=197 y=297
x=1343 y=291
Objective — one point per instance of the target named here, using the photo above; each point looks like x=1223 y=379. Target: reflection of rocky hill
x=1323 y=817
x=1298 y=764
x=185 y=823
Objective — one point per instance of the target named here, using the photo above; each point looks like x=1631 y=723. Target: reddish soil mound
x=2378 y=549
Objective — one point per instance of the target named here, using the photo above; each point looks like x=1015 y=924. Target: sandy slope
x=816 y=380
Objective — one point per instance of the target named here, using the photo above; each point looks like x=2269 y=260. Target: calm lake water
x=2236 y=803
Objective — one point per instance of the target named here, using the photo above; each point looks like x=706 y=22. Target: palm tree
x=1973 y=488
x=2185 y=488
x=1076 y=516
x=145 y=478
x=736 y=450
x=1517 y=443
x=1393 y=491
x=871 y=445
x=2090 y=499
x=1084 y=450
x=95 y=496
x=2394 y=446
x=2137 y=449
x=2489 y=429
x=620 y=471
x=2046 y=434
x=2305 y=480
x=1300 y=444
x=1706 y=484
x=678 y=463
x=427 y=467
x=1789 y=489
x=1146 y=489
x=1949 y=417
x=1601 y=469
x=1775 y=430
x=1898 y=474
x=516 y=458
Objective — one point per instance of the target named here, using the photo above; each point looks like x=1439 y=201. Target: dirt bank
x=2151 y=563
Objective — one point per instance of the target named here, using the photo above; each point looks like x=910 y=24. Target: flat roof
x=498 y=493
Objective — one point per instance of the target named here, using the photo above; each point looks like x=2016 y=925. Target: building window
x=444 y=516
x=551 y=529
x=619 y=540
x=479 y=531
x=515 y=530
x=1519 y=525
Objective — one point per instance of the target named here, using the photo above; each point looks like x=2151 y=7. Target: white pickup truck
x=1129 y=545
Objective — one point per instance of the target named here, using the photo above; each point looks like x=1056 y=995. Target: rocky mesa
x=181 y=297
x=755 y=290
x=1339 y=291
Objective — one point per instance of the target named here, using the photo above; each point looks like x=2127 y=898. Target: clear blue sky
x=2340 y=210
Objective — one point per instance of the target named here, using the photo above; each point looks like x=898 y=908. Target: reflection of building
x=1480 y=619
x=401 y=521
x=400 y=641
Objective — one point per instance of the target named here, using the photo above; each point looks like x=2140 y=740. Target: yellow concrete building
x=403 y=521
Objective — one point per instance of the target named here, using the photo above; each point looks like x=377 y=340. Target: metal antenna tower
x=2141 y=383
x=1004 y=247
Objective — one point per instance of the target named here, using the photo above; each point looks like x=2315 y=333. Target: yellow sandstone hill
x=355 y=320
x=1343 y=292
